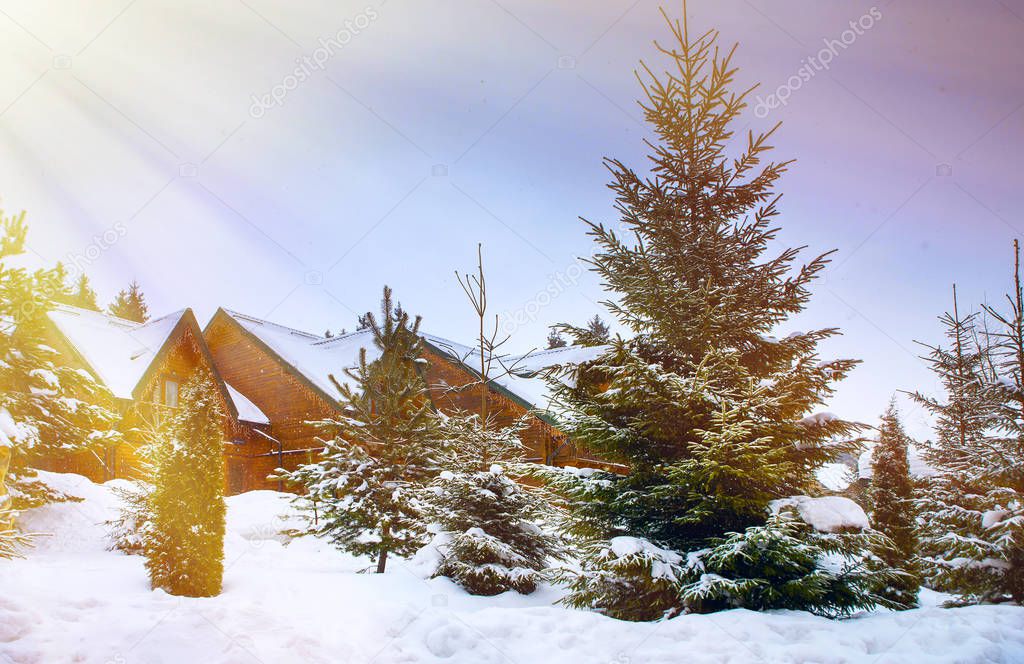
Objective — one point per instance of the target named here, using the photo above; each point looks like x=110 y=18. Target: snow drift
x=72 y=600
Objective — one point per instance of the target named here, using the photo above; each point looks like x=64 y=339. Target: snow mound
x=828 y=514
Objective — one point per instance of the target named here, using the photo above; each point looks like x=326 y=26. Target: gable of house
x=144 y=366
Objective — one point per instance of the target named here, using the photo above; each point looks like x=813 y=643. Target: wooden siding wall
x=286 y=400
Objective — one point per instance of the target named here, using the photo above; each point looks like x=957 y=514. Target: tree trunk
x=382 y=557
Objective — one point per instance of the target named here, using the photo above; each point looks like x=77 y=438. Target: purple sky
x=432 y=126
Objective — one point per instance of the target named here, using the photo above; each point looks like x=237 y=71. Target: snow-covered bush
x=627 y=578
x=786 y=564
x=128 y=531
x=489 y=540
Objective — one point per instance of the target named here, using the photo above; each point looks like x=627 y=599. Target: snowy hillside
x=72 y=600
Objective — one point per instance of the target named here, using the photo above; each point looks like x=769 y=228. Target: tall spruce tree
x=894 y=513
x=959 y=555
x=367 y=488
x=131 y=304
x=184 y=540
x=707 y=410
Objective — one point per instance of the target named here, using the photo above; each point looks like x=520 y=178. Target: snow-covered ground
x=72 y=600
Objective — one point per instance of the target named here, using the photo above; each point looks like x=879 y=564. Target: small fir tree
x=128 y=531
x=556 y=340
x=490 y=539
x=367 y=488
x=706 y=408
x=786 y=564
x=131 y=304
x=80 y=294
x=184 y=544
x=599 y=330
x=1001 y=461
x=894 y=511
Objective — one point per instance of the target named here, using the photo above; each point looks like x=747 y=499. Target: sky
x=288 y=159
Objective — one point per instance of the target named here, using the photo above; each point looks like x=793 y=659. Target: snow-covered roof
x=918 y=466
x=521 y=375
x=247 y=410
x=119 y=351
x=318 y=358
x=315 y=357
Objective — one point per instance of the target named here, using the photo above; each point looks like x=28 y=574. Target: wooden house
x=144 y=366
x=286 y=373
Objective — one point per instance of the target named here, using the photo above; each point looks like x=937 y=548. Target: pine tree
x=45 y=406
x=82 y=295
x=706 y=409
x=489 y=534
x=488 y=539
x=599 y=330
x=367 y=488
x=556 y=340
x=894 y=513
x=960 y=557
x=976 y=503
x=131 y=304
x=184 y=544
x=76 y=294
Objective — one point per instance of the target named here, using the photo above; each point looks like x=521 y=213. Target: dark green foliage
x=366 y=490
x=626 y=579
x=131 y=304
x=785 y=564
x=184 y=542
x=895 y=513
x=490 y=539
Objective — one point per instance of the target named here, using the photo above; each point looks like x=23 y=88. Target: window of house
x=171 y=392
